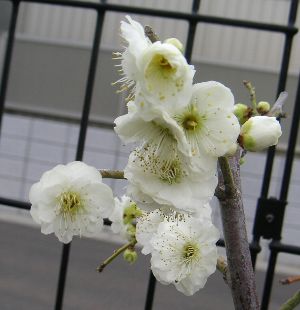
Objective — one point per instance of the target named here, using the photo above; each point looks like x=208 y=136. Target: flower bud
x=242 y=112
x=131 y=213
x=130 y=256
x=176 y=43
x=259 y=132
x=263 y=107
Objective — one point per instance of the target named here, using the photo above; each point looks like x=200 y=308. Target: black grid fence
x=270 y=211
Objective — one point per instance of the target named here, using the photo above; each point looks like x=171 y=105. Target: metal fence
x=270 y=210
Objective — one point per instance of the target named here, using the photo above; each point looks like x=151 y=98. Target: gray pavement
x=29 y=264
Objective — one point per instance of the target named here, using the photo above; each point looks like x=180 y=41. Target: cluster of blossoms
x=179 y=129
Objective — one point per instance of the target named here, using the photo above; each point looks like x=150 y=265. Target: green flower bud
x=263 y=107
x=131 y=213
x=242 y=112
x=130 y=256
x=176 y=43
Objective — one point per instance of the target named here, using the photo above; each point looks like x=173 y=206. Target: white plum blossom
x=260 y=132
x=169 y=181
x=148 y=223
x=70 y=200
x=184 y=253
x=146 y=227
x=159 y=131
x=165 y=78
x=208 y=120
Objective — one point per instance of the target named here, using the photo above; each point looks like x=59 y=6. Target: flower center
x=165 y=164
x=190 y=120
x=70 y=204
x=190 y=123
x=171 y=172
x=159 y=64
x=190 y=252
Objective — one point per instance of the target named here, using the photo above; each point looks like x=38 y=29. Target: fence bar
x=191 y=32
x=284 y=192
x=269 y=280
x=281 y=86
x=8 y=56
x=285 y=248
x=80 y=145
x=150 y=292
x=171 y=14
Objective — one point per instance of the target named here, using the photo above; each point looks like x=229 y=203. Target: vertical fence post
x=8 y=56
x=81 y=144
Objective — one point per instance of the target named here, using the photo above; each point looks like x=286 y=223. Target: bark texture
x=242 y=279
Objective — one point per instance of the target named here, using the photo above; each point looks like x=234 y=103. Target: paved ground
x=29 y=265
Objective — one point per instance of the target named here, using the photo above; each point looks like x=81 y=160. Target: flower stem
x=252 y=93
x=112 y=174
x=114 y=255
x=292 y=303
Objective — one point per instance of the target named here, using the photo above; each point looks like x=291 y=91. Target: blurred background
x=40 y=129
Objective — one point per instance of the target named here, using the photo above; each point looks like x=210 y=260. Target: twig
x=149 y=32
x=114 y=255
x=112 y=174
x=251 y=90
x=290 y=280
x=292 y=303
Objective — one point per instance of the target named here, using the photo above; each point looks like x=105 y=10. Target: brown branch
x=242 y=278
x=112 y=174
x=290 y=280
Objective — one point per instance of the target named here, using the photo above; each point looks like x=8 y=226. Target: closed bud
x=242 y=112
x=176 y=43
x=130 y=256
x=259 y=132
x=263 y=107
x=131 y=213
